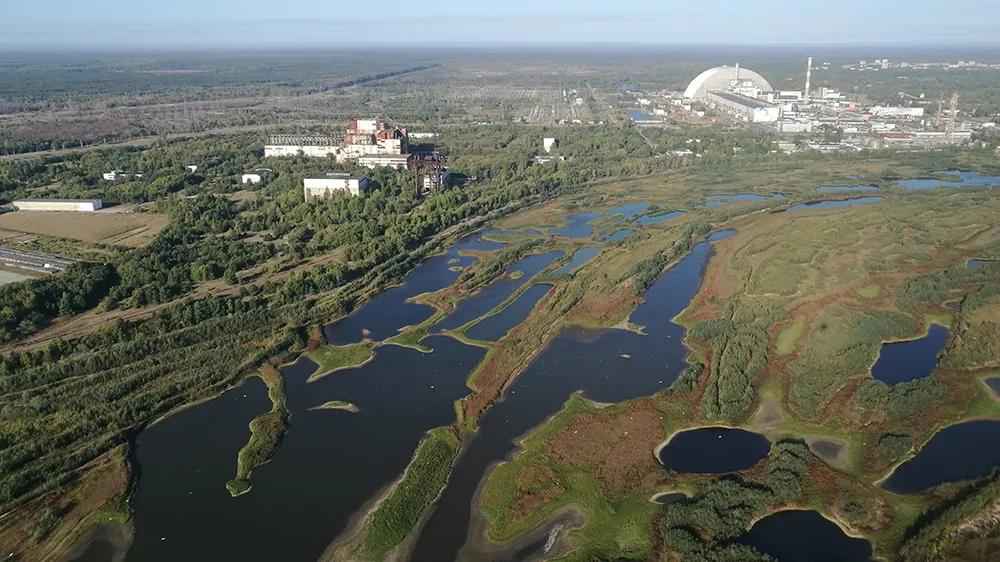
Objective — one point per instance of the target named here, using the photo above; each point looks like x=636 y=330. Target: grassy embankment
x=393 y=518
x=332 y=358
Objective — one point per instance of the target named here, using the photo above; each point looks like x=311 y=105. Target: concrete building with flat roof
x=77 y=205
x=394 y=161
x=745 y=108
x=332 y=184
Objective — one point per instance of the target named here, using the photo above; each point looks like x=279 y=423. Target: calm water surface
x=494 y=294
x=909 y=360
x=329 y=464
x=432 y=274
x=956 y=180
x=580 y=258
x=805 y=536
x=577 y=225
x=959 y=452
x=495 y=327
x=714 y=450
x=619 y=235
x=576 y=360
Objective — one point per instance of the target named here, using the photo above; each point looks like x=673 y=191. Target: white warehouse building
x=76 y=205
x=333 y=183
x=745 y=108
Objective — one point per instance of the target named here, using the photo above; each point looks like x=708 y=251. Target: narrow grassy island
x=266 y=432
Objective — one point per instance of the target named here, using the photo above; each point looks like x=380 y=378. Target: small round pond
x=909 y=360
x=713 y=450
x=805 y=536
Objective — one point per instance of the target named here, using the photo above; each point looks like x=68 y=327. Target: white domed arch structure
x=720 y=77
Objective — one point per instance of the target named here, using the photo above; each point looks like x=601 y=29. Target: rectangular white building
x=256 y=177
x=394 y=161
x=78 y=205
x=333 y=183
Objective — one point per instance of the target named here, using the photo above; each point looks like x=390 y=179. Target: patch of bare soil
x=53 y=526
x=617 y=449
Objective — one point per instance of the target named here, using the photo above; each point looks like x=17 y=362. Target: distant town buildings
x=332 y=184
x=77 y=205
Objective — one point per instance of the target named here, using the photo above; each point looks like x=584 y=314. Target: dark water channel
x=835 y=204
x=909 y=360
x=492 y=295
x=959 y=452
x=495 y=327
x=580 y=258
x=432 y=274
x=330 y=463
x=591 y=361
x=714 y=450
x=805 y=536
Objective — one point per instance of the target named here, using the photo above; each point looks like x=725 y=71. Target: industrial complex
x=368 y=143
x=743 y=95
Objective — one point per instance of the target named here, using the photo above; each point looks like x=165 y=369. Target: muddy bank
x=547 y=541
x=105 y=542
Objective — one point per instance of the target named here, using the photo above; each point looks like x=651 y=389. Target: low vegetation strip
x=266 y=432
x=398 y=514
x=331 y=358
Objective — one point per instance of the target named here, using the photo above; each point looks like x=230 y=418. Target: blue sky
x=195 y=23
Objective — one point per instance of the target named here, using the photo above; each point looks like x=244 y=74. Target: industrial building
x=726 y=78
x=394 y=161
x=76 y=205
x=332 y=184
x=256 y=177
x=312 y=146
x=744 y=108
x=364 y=141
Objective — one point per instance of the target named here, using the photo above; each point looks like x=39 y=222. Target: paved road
x=32 y=261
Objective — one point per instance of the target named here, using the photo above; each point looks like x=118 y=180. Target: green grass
x=412 y=336
x=331 y=358
x=398 y=514
x=789 y=337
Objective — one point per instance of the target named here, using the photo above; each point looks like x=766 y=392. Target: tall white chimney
x=809 y=72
